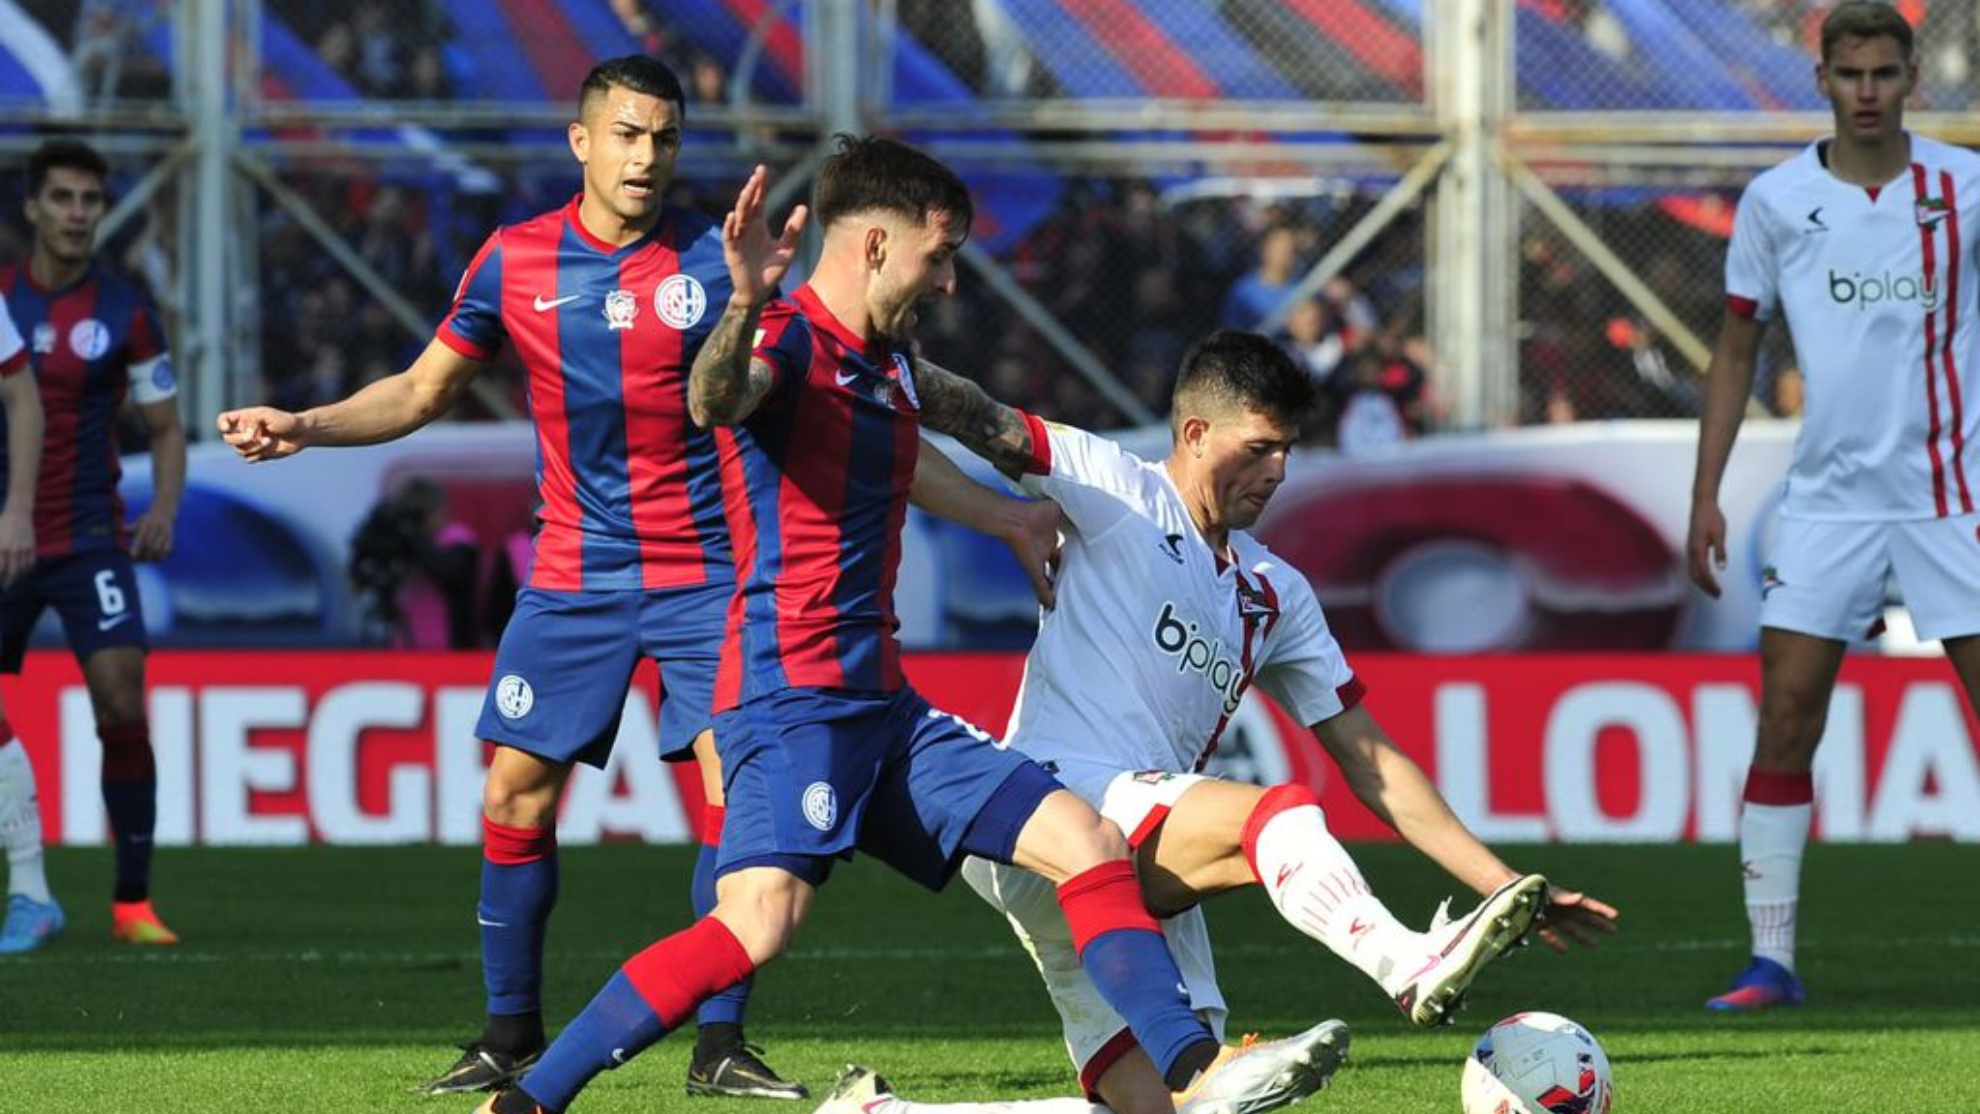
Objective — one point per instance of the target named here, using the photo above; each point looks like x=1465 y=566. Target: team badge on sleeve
x=620 y=309
x=680 y=301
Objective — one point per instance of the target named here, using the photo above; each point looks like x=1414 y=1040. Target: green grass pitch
x=334 y=980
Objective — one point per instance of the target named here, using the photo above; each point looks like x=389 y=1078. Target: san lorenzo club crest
x=821 y=805
x=513 y=697
x=680 y=301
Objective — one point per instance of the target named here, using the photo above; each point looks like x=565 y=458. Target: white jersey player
x=1167 y=613
x=1867 y=243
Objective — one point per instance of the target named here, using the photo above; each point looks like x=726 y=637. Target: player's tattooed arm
x=727 y=382
x=953 y=405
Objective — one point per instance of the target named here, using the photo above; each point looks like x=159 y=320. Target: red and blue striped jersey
x=817 y=485
x=86 y=342
x=630 y=487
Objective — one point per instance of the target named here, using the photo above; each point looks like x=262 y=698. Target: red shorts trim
x=1117 y=1046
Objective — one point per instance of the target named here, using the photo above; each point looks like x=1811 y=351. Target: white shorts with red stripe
x=1827 y=579
x=1096 y=1036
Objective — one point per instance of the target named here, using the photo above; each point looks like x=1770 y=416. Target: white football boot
x=1267 y=1075
x=1429 y=985
x=858 y=1091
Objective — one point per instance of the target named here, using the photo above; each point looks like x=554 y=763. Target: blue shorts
x=813 y=774
x=567 y=658
x=95 y=593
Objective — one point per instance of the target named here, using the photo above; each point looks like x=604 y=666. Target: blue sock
x=727 y=1007
x=514 y=913
x=612 y=1029
x=1135 y=973
x=133 y=809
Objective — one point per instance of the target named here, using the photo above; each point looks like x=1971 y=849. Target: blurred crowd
x=1134 y=269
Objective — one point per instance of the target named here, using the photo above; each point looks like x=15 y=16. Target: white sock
x=1318 y=889
x=1771 y=841
x=20 y=823
x=894 y=1104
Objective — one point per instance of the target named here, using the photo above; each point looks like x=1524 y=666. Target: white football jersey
x=1155 y=639
x=1880 y=291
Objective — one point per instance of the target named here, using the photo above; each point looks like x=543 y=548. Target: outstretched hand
x=1571 y=915
x=261 y=433
x=756 y=262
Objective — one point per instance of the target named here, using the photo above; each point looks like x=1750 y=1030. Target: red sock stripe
x=127 y=752
x=506 y=846
x=677 y=974
x=1766 y=787
x=1103 y=899
x=1278 y=799
x=712 y=817
x=6 y=731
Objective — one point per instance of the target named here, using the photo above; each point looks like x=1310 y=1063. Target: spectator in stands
x=1381 y=395
x=1257 y=293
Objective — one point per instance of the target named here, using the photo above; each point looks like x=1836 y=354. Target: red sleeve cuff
x=14 y=364
x=1351 y=693
x=446 y=335
x=1742 y=307
x=1040 y=463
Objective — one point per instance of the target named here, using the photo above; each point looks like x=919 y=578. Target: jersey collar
x=821 y=318
x=603 y=247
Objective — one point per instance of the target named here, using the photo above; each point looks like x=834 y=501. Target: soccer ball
x=1537 y=1063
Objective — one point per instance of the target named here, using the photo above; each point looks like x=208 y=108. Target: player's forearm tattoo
x=953 y=405
x=725 y=384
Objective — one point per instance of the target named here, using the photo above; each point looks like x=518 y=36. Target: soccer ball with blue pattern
x=1537 y=1063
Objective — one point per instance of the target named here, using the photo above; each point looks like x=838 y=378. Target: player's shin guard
x=649 y=997
x=20 y=820
x=726 y=1007
x=1314 y=883
x=1773 y=833
x=130 y=797
x=1123 y=952
x=518 y=891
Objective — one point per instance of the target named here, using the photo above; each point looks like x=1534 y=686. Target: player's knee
x=1790 y=728
x=518 y=805
x=1086 y=840
x=763 y=908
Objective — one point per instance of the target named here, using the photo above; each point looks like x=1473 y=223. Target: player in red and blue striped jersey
x=825 y=747
x=606 y=301
x=94 y=341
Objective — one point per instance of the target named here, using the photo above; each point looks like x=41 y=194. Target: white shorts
x=1827 y=579
x=1096 y=1036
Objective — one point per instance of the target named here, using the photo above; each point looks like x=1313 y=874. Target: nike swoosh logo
x=106 y=624
x=542 y=305
x=844 y=379
x=485 y=923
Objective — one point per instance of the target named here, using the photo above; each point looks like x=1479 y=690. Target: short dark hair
x=640 y=73
x=1230 y=370
x=873 y=172
x=1864 y=19
x=69 y=154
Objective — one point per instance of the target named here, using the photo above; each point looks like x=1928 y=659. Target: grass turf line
x=335 y=979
